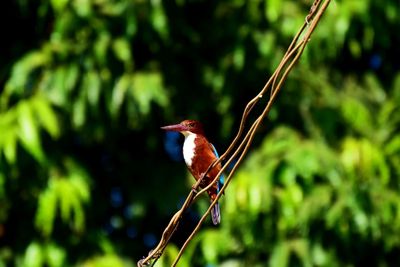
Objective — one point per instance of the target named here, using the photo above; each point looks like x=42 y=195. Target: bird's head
x=186 y=127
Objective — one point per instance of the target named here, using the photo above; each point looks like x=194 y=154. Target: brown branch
x=274 y=84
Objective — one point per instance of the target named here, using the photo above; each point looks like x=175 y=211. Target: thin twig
x=274 y=84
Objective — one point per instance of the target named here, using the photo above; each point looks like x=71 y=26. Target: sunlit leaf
x=168 y=257
x=104 y=261
x=273 y=9
x=46 y=116
x=361 y=220
x=46 y=211
x=29 y=131
x=67 y=198
x=255 y=198
x=266 y=42
x=357 y=115
x=386 y=115
x=148 y=87
x=23 y=68
x=10 y=145
x=287 y=175
x=122 y=50
x=209 y=246
x=118 y=94
x=79 y=112
x=318 y=200
x=319 y=255
x=59 y=5
x=92 y=84
x=364 y=156
x=159 y=19
x=305 y=160
x=55 y=255
x=113 y=8
x=67 y=193
x=33 y=256
x=393 y=146
x=351 y=155
x=64 y=80
x=280 y=255
x=101 y=46
x=83 y=7
x=280 y=141
x=301 y=248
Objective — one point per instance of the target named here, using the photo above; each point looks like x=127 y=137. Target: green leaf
x=281 y=140
x=210 y=241
x=319 y=255
x=357 y=115
x=2 y=193
x=118 y=94
x=79 y=112
x=29 y=132
x=256 y=200
x=239 y=57
x=273 y=9
x=101 y=46
x=159 y=19
x=302 y=250
x=55 y=255
x=56 y=86
x=83 y=7
x=393 y=146
x=266 y=42
x=46 y=211
x=23 y=68
x=81 y=187
x=92 y=84
x=280 y=255
x=59 y=5
x=68 y=193
x=305 y=160
x=148 y=87
x=355 y=48
x=46 y=116
x=64 y=79
x=122 y=50
x=287 y=175
x=104 y=261
x=169 y=256
x=10 y=145
x=33 y=256
x=67 y=198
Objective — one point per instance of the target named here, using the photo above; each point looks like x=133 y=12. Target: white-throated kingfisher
x=199 y=154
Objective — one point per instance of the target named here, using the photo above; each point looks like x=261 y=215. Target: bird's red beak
x=175 y=128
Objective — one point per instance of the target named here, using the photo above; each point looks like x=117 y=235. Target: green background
x=87 y=178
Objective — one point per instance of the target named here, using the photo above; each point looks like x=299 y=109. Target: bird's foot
x=194 y=189
x=199 y=182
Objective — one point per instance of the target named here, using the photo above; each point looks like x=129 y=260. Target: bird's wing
x=221 y=179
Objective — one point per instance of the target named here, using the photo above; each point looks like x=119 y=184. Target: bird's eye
x=191 y=124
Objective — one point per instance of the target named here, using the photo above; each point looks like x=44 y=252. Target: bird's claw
x=194 y=189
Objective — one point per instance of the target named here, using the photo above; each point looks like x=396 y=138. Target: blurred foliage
x=85 y=85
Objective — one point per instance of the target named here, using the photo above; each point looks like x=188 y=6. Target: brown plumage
x=203 y=157
x=199 y=154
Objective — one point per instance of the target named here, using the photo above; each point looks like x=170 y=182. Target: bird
x=199 y=154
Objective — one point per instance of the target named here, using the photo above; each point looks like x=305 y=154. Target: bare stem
x=274 y=84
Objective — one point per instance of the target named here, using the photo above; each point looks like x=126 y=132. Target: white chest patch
x=188 y=148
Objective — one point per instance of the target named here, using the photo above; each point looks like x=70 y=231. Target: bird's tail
x=216 y=214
